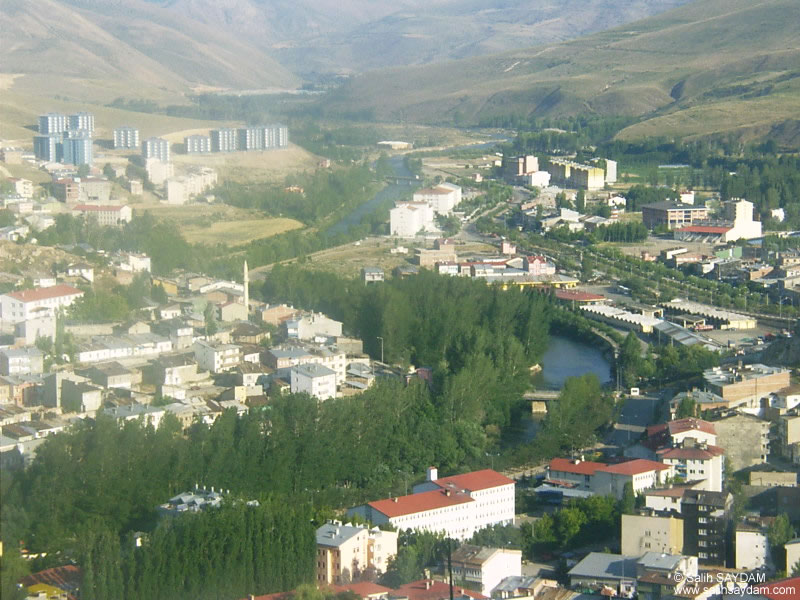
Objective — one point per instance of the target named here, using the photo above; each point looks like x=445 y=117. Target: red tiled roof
x=56 y=291
x=436 y=590
x=99 y=207
x=416 y=503
x=705 y=229
x=584 y=467
x=785 y=589
x=363 y=589
x=635 y=467
x=577 y=295
x=67 y=578
x=477 y=480
x=689 y=424
x=275 y=596
x=697 y=453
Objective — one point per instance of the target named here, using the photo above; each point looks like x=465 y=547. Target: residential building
x=158 y=171
x=82 y=121
x=651 y=533
x=250 y=138
x=372 y=274
x=675 y=432
x=126 y=137
x=313 y=379
x=458 y=506
x=223 y=140
x=106 y=215
x=28 y=304
x=155 y=147
x=276 y=136
x=53 y=123
x=216 y=357
x=346 y=552
x=706 y=523
x=112 y=375
x=575 y=175
x=80 y=397
x=67 y=189
x=276 y=314
x=95 y=190
x=27 y=332
x=430 y=589
x=672 y=215
x=792 y=549
x=197 y=144
x=484 y=568
x=113 y=347
x=441 y=198
x=133 y=262
x=751 y=545
x=196 y=500
x=407 y=219
x=287 y=356
x=696 y=462
x=23 y=187
x=147 y=415
x=745 y=439
x=310 y=326
x=48 y=147
x=788 y=430
x=517 y=166
x=605 y=479
x=77 y=148
x=21 y=361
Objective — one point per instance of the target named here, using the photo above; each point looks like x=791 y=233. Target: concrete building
x=23 y=187
x=216 y=358
x=80 y=397
x=621 y=318
x=745 y=439
x=106 y=216
x=158 y=171
x=155 y=147
x=126 y=137
x=696 y=462
x=308 y=327
x=197 y=144
x=53 y=123
x=27 y=332
x=442 y=198
x=706 y=522
x=723 y=319
x=346 y=552
x=29 y=304
x=673 y=215
x=458 y=506
x=313 y=379
x=250 y=138
x=223 y=140
x=48 y=147
x=604 y=479
x=751 y=546
x=82 y=121
x=276 y=136
x=746 y=385
x=575 y=175
x=651 y=533
x=792 y=548
x=788 y=434
x=407 y=219
x=741 y=212
x=484 y=568
x=77 y=148
x=21 y=361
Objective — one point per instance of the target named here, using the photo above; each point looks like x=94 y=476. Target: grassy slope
x=680 y=60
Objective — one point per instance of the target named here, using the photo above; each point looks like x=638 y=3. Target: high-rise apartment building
x=126 y=137
x=155 y=147
x=223 y=140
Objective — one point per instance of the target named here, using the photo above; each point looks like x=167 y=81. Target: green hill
x=710 y=67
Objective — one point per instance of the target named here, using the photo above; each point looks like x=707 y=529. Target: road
x=637 y=413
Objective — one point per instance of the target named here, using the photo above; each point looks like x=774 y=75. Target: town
x=526 y=360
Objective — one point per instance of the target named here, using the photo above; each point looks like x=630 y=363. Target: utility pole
x=381 y=339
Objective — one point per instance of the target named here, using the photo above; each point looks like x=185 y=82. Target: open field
x=247 y=167
x=219 y=223
x=236 y=233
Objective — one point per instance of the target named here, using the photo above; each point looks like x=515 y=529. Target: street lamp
x=381 y=339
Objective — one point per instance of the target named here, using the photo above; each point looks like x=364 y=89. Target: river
x=567 y=358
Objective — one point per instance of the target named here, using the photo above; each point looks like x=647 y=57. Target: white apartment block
x=184 y=188
x=158 y=171
x=21 y=361
x=752 y=548
x=441 y=198
x=16 y=307
x=23 y=187
x=216 y=357
x=114 y=347
x=407 y=219
x=484 y=567
x=458 y=506
x=313 y=379
x=702 y=463
x=106 y=215
x=126 y=137
x=135 y=263
x=308 y=327
x=154 y=147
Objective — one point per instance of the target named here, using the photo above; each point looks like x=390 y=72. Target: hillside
x=99 y=50
x=709 y=67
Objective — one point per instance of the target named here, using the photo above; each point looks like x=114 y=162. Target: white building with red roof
x=458 y=506
x=608 y=480
x=16 y=307
x=697 y=462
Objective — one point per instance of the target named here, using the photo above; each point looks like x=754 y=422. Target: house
x=604 y=479
x=788 y=434
x=458 y=506
x=310 y=326
x=372 y=275
x=173 y=311
x=430 y=589
x=80 y=396
x=82 y=270
x=28 y=304
x=347 y=552
x=651 y=533
x=147 y=415
x=696 y=462
x=21 y=361
x=106 y=215
x=248 y=333
x=484 y=568
x=313 y=379
x=112 y=375
x=276 y=314
x=231 y=311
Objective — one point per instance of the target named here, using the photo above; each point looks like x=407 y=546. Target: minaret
x=246 y=289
